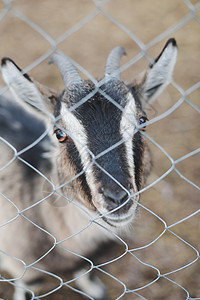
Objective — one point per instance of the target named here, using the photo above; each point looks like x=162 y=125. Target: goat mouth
x=121 y=215
x=116 y=220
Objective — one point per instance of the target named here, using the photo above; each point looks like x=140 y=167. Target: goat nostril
x=117 y=196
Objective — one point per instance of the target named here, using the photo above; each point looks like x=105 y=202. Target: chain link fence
x=160 y=259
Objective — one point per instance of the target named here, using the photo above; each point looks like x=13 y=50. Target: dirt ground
x=173 y=198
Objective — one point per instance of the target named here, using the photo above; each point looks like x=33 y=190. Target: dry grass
x=173 y=198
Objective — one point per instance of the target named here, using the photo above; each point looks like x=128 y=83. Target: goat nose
x=116 y=196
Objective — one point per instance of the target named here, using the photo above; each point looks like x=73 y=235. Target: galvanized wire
x=192 y=14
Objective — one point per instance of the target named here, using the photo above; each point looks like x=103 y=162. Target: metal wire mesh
x=162 y=260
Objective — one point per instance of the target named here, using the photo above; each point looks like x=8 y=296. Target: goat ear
x=26 y=90
x=153 y=81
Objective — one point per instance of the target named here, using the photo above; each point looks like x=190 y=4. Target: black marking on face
x=101 y=121
x=75 y=160
x=138 y=150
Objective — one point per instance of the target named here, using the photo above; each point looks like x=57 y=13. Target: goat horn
x=113 y=62
x=68 y=72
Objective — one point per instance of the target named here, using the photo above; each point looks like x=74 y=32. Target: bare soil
x=173 y=198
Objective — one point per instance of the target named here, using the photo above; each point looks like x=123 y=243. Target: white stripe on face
x=77 y=132
x=127 y=127
x=79 y=135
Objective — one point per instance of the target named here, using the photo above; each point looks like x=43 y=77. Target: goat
x=64 y=194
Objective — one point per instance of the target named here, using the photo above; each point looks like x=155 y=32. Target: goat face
x=103 y=150
x=99 y=137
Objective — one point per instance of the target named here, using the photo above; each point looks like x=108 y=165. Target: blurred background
x=86 y=31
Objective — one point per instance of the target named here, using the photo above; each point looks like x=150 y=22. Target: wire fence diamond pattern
x=124 y=286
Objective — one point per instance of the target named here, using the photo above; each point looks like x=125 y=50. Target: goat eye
x=61 y=135
x=143 y=120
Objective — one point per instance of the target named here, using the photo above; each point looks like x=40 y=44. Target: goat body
x=64 y=194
